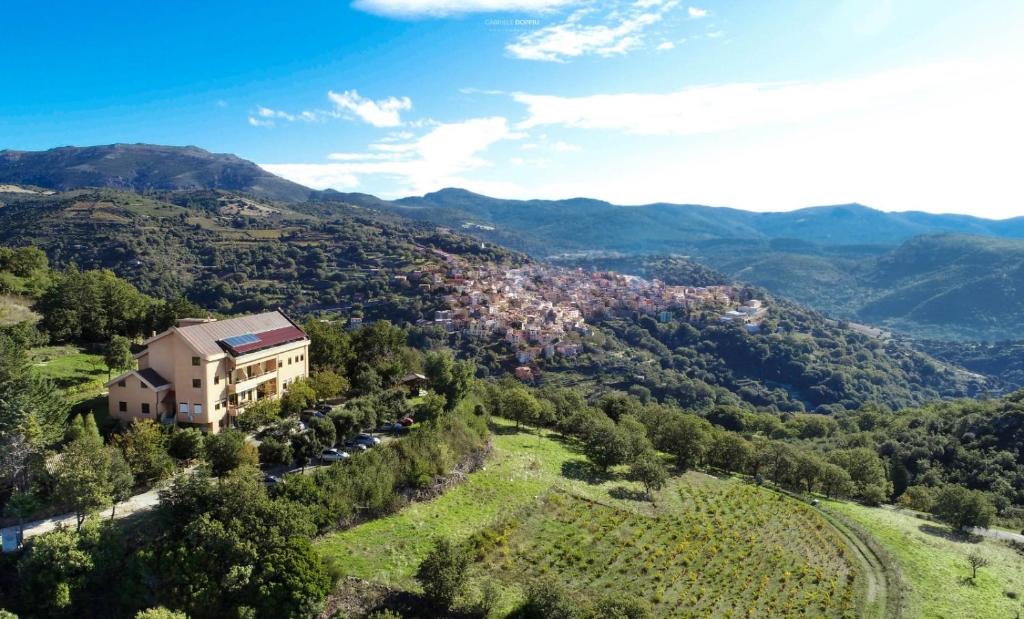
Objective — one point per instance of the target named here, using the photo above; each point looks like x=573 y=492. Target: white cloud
x=434 y=160
x=380 y=113
x=696 y=13
x=718 y=108
x=664 y=46
x=565 y=147
x=714 y=34
x=259 y=122
x=622 y=31
x=445 y=8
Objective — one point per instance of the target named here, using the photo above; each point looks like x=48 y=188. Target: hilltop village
x=543 y=311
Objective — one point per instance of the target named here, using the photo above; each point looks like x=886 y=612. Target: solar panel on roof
x=241 y=340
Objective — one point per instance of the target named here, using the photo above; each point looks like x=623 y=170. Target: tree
x=977 y=561
x=835 y=481
x=605 y=444
x=258 y=414
x=82 y=481
x=519 y=405
x=918 y=498
x=443 y=573
x=159 y=613
x=686 y=437
x=122 y=483
x=22 y=504
x=648 y=469
x=324 y=429
x=118 y=354
x=275 y=451
x=329 y=346
x=448 y=377
x=53 y=570
x=305 y=447
x=144 y=445
x=186 y=444
x=328 y=384
x=299 y=396
x=430 y=408
x=728 y=451
x=228 y=450
x=961 y=508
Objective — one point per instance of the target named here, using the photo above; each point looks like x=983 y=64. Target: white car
x=333 y=455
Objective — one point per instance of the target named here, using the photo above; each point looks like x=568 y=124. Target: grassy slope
x=82 y=375
x=708 y=514
x=934 y=566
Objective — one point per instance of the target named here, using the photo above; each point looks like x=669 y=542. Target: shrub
x=622 y=606
x=443 y=572
x=186 y=444
x=547 y=599
x=228 y=450
x=258 y=414
x=275 y=451
x=961 y=508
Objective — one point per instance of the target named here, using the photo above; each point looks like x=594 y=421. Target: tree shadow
x=582 y=470
x=502 y=430
x=947 y=533
x=628 y=494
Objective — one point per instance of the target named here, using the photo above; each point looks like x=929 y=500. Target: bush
x=547 y=599
x=443 y=572
x=275 y=451
x=186 y=444
x=961 y=508
x=228 y=450
x=622 y=606
x=873 y=495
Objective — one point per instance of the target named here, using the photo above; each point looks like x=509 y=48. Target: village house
x=203 y=372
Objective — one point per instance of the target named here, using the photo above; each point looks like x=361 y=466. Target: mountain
x=556 y=226
x=144 y=167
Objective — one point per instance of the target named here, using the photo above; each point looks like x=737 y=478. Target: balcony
x=253 y=381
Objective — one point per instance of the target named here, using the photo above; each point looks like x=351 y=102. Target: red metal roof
x=267 y=339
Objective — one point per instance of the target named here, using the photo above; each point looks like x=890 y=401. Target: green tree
x=82 y=480
x=962 y=508
x=448 y=377
x=648 y=469
x=122 y=483
x=144 y=445
x=430 y=408
x=835 y=481
x=185 y=444
x=605 y=445
x=547 y=599
x=686 y=437
x=227 y=450
x=118 y=355
x=323 y=428
x=275 y=451
x=298 y=397
x=443 y=573
x=53 y=570
x=328 y=384
x=918 y=498
x=159 y=613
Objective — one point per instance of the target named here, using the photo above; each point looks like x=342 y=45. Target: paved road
x=139 y=502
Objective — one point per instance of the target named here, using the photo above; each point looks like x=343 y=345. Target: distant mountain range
x=920 y=273
x=144 y=167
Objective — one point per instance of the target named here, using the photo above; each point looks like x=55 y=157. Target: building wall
x=133 y=394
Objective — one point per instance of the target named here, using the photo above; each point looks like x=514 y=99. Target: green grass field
x=934 y=566
x=707 y=546
x=80 y=374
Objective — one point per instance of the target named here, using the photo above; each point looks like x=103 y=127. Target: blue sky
x=901 y=104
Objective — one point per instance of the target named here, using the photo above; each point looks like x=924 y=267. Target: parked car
x=324 y=408
x=367 y=439
x=333 y=455
x=306 y=414
x=271 y=479
x=406 y=421
x=353 y=445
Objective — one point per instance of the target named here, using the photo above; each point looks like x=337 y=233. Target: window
x=122 y=383
x=183 y=407
x=216 y=406
x=195 y=360
x=216 y=379
x=145 y=408
x=122 y=406
x=197 y=383
x=142 y=385
x=197 y=409
x=289 y=360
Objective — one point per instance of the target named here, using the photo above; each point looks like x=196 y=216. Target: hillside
x=144 y=167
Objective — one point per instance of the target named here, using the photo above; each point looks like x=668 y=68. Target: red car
x=406 y=421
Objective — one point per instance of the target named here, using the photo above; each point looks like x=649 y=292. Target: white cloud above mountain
x=379 y=113
x=436 y=159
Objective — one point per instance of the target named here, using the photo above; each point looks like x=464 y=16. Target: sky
x=896 y=104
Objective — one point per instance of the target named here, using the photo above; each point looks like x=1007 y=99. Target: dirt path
x=874 y=570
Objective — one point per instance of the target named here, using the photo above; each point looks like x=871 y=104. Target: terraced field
x=705 y=547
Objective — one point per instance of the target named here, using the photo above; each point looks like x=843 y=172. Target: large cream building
x=203 y=372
